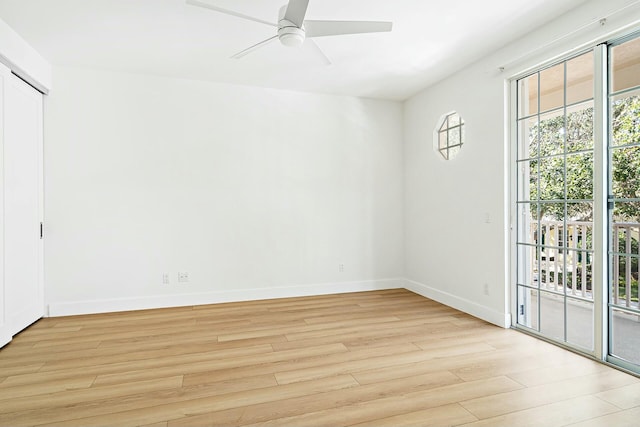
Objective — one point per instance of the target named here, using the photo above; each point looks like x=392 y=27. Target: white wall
x=456 y=212
x=263 y=193
x=454 y=219
x=256 y=193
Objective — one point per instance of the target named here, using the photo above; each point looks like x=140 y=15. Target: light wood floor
x=388 y=358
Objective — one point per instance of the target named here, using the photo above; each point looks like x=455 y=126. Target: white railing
x=569 y=263
x=624 y=236
x=572 y=259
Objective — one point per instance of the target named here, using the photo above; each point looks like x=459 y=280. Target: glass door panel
x=555 y=202
x=624 y=203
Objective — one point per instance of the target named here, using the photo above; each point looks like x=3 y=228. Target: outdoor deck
x=626 y=337
x=559 y=264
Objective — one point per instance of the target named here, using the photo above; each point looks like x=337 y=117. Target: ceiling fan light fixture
x=291 y=36
x=293 y=28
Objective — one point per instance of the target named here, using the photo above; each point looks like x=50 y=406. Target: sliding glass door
x=624 y=202
x=565 y=276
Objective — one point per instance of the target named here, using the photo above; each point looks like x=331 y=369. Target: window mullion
x=600 y=212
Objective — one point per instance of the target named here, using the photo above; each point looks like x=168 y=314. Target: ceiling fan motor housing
x=290 y=35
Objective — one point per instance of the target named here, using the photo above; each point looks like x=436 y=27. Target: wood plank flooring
x=385 y=358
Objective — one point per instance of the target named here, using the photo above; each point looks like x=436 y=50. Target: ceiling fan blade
x=296 y=11
x=228 y=12
x=315 y=47
x=336 y=28
x=254 y=47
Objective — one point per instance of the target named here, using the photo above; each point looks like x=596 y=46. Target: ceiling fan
x=293 y=29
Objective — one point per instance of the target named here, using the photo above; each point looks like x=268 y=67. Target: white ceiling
x=430 y=40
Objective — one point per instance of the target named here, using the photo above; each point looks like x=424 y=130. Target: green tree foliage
x=549 y=137
x=553 y=134
x=625 y=174
x=626 y=160
x=565 y=149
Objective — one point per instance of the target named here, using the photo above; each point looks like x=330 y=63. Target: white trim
x=24 y=60
x=5 y=337
x=5 y=334
x=500 y=319
x=62 y=308
x=511 y=174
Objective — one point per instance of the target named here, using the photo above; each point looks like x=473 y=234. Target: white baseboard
x=180 y=300
x=163 y=301
x=480 y=311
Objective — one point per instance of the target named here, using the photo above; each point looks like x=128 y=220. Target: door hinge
x=41 y=230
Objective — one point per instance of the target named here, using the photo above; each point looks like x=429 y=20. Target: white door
x=23 y=210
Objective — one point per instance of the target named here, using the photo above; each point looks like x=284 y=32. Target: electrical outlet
x=165 y=278
x=486 y=289
x=183 y=276
x=341 y=268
